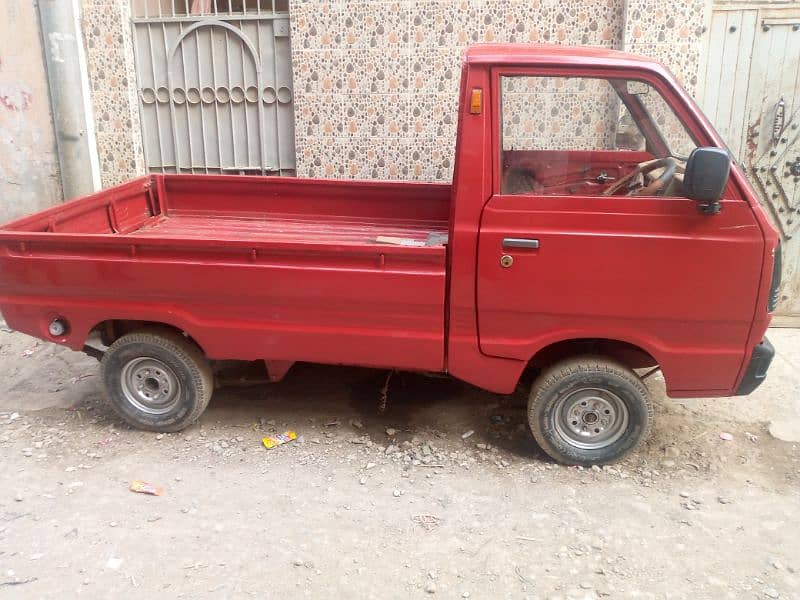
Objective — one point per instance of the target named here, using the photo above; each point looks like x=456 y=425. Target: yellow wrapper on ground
x=142 y=487
x=277 y=440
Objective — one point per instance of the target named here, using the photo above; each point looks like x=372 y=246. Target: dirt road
x=404 y=504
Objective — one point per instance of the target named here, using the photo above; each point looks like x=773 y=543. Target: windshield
x=641 y=103
x=589 y=135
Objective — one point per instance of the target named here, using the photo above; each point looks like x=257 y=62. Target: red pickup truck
x=595 y=226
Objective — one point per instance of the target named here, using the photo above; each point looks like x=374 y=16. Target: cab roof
x=532 y=55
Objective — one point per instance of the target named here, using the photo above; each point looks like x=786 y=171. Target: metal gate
x=215 y=86
x=751 y=93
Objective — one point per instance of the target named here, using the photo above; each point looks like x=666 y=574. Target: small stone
x=480 y=446
x=771 y=593
x=465 y=595
x=725 y=436
x=86 y=582
x=586 y=586
x=430 y=588
x=683 y=494
x=357 y=423
x=775 y=564
x=160 y=436
x=370 y=465
x=786 y=430
x=27 y=452
x=113 y=524
x=396 y=493
x=724 y=500
x=390 y=431
x=467 y=434
x=18 y=497
x=363 y=481
x=298 y=562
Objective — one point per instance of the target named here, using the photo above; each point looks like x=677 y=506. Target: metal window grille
x=215 y=85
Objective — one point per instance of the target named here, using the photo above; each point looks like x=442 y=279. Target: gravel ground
x=403 y=504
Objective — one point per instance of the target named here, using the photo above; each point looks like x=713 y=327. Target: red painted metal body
x=289 y=270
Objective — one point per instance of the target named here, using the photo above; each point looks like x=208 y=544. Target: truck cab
x=589 y=229
x=595 y=226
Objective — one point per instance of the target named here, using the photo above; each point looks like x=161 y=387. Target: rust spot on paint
x=752 y=140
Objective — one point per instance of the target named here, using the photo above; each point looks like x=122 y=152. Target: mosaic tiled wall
x=558 y=113
x=376 y=82
x=670 y=32
x=106 y=28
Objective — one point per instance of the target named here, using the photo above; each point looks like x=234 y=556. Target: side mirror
x=706 y=176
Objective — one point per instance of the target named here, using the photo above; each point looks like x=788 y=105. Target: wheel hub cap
x=150 y=385
x=591 y=418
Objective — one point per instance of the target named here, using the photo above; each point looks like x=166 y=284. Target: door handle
x=520 y=243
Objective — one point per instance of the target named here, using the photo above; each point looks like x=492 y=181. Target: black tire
x=589 y=411
x=157 y=380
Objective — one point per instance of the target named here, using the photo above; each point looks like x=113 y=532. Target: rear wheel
x=589 y=410
x=157 y=380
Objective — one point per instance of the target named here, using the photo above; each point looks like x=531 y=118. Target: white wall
x=29 y=178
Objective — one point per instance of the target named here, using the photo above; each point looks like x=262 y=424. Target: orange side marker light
x=476 y=101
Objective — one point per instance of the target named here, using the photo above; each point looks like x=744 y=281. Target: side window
x=584 y=136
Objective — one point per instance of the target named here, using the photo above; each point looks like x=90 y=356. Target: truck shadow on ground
x=415 y=405
x=316 y=399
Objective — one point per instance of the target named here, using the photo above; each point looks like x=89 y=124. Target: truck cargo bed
x=253 y=209
x=291 y=228
x=256 y=267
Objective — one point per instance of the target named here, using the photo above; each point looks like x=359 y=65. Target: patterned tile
x=434 y=115
x=397 y=64
x=376 y=82
x=671 y=32
x=109 y=56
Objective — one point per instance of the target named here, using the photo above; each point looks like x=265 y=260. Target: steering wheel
x=656 y=187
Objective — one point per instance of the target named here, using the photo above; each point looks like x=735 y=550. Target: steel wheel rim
x=150 y=385
x=591 y=418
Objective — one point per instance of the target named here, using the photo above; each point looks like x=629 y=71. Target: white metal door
x=751 y=93
x=215 y=86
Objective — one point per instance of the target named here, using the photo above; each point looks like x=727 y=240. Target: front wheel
x=157 y=380
x=589 y=410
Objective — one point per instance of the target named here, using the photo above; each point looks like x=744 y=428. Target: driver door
x=559 y=260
